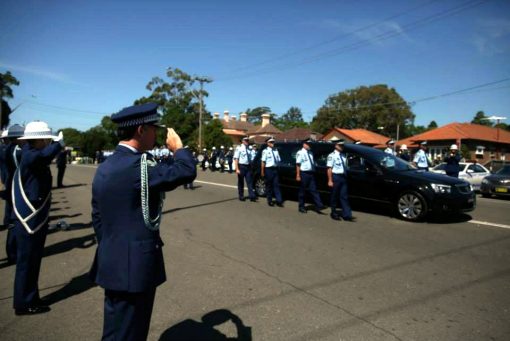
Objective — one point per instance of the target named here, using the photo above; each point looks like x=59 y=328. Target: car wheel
x=260 y=187
x=411 y=206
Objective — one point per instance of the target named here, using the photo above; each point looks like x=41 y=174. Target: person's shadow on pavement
x=191 y=330
x=76 y=286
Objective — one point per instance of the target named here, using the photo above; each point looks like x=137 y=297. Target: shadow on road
x=198 y=205
x=76 y=286
x=69 y=186
x=204 y=330
x=63 y=216
x=67 y=245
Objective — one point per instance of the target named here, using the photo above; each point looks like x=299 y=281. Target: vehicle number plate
x=471 y=200
x=501 y=189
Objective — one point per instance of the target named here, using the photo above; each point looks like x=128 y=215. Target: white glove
x=60 y=139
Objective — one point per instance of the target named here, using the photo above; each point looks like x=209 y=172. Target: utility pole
x=202 y=80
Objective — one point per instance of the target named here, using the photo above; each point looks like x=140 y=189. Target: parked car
x=495 y=165
x=471 y=172
x=377 y=177
x=497 y=184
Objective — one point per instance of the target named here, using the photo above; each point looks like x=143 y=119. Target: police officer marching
x=305 y=175
x=421 y=159
x=127 y=198
x=31 y=198
x=269 y=170
x=242 y=158
x=230 y=158
x=452 y=162
x=11 y=158
x=337 y=180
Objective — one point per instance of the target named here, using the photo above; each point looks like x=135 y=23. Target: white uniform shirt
x=389 y=151
x=337 y=162
x=420 y=158
x=304 y=159
x=241 y=154
x=270 y=157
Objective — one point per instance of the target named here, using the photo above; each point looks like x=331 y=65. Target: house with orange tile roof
x=365 y=137
x=484 y=143
x=236 y=130
x=298 y=135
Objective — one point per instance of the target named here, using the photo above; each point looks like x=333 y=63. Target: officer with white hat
x=213 y=158
x=305 y=175
x=230 y=158
x=221 y=158
x=243 y=158
x=421 y=158
x=127 y=199
x=10 y=160
x=269 y=170
x=404 y=153
x=389 y=147
x=337 y=180
x=204 y=159
x=31 y=199
x=452 y=162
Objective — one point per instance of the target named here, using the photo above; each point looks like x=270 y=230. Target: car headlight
x=438 y=188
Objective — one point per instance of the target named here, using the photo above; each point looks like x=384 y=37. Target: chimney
x=225 y=116
x=244 y=117
x=266 y=119
x=233 y=118
x=216 y=116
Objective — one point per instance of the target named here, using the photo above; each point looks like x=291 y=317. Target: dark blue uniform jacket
x=129 y=256
x=452 y=163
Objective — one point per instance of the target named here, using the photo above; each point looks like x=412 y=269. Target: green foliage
x=464 y=151
x=73 y=137
x=179 y=101
x=367 y=107
x=255 y=114
x=481 y=119
x=6 y=81
x=293 y=118
x=213 y=135
x=432 y=125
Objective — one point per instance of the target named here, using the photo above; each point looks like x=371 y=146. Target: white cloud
x=491 y=36
x=39 y=72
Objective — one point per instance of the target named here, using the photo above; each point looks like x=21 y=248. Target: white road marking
x=215 y=184
x=478 y=222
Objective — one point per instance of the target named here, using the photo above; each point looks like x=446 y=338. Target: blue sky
x=97 y=56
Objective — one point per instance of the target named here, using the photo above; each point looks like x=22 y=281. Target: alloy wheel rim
x=410 y=206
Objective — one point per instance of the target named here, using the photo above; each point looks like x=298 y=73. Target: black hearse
x=378 y=177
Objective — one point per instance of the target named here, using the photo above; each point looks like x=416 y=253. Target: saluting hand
x=173 y=141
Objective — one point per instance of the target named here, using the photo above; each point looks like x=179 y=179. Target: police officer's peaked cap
x=137 y=115
x=246 y=138
x=15 y=131
x=424 y=143
x=270 y=139
x=390 y=142
x=340 y=142
x=308 y=141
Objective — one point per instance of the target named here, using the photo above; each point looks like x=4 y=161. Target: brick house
x=365 y=137
x=484 y=143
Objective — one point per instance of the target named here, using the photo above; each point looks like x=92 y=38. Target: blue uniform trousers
x=272 y=184
x=339 y=191
x=245 y=173
x=308 y=184
x=127 y=316
x=10 y=243
x=29 y=254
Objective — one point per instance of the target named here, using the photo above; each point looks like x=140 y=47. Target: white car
x=471 y=172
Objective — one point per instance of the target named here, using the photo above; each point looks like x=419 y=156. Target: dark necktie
x=248 y=154
x=275 y=161
x=343 y=165
x=310 y=159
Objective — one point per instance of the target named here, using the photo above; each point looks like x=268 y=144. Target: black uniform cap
x=138 y=115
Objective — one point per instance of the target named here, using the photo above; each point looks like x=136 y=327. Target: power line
x=62 y=108
x=365 y=42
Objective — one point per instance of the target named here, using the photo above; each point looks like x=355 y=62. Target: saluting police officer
x=269 y=170
x=127 y=198
x=11 y=158
x=390 y=144
x=305 y=174
x=242 y=158
x=452 y=162
x=31 y=199
x=337 y=180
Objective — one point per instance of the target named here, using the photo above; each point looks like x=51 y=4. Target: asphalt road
x=278 y=274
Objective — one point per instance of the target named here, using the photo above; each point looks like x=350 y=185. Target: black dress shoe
x=320 y=208
x=351 y=219
x=302 y=210
x=271 y=204
x=319 y=212
x=242 y=199
x=253 y=199
x=279 y=204
x=38 y=309
x=334 y=216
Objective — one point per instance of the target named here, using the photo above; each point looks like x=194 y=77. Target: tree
x=293 y=118
x=179 y=103
x=6 y=80
x=432 y=125
x=255 y=114
x=481 y=119
x=95 y=139
x=73 y=137
x=214 y=135
x=110 y=130
x=367 y=107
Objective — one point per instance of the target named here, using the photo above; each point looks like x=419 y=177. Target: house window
x=480 y=150
x=438 y=153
